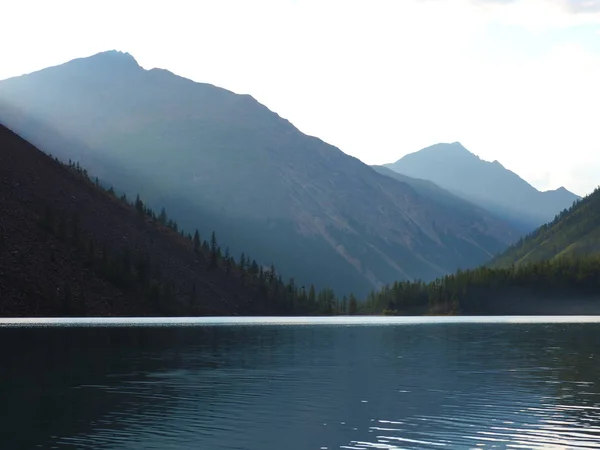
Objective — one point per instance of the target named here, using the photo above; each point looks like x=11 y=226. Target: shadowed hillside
x=70 y=248
x=222 y=161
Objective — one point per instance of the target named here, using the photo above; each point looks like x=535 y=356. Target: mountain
x=222 y=161
x=573 y=233
x=68 y=248
x=487 y=184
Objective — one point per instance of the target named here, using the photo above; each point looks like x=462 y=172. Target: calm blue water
x=301 y=383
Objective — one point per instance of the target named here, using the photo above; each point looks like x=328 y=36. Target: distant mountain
x=68 y=248
x=452 y=203
x=222 y=161
x=574 y=233
x=487 y=184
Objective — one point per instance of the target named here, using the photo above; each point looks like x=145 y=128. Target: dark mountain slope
x=223 y=161
x=64 y=243
x=573 y=233
x=487 y=184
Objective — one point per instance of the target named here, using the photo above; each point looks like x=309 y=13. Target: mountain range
x=222 y=161
x=486 y=184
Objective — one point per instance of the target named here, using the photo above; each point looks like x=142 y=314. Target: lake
x=300 y=383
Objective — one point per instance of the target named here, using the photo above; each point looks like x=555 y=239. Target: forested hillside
x=69 y=247
x=554 y=270
x=575 y=232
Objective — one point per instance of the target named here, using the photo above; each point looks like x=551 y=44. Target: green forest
x=483 y=290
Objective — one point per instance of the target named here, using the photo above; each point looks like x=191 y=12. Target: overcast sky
x=514 y=81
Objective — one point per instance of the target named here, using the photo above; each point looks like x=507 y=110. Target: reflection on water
x=437 y=385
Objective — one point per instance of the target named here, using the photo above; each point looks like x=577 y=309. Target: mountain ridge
x=219 y=160
x=487 y=184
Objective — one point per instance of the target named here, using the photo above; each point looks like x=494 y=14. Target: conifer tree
x=162 y=218
x=228 y=261
x=312 y=297
x=196 y=242
x=352 y=305
x=213 y=250
x=139 y=205
x=254 y=268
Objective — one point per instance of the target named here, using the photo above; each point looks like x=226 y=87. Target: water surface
x=300 y=383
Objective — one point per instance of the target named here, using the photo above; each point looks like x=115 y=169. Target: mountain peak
x=115 y=56
x=563 y=191
x=448 y=146
x=488 y=184
x=560 y=189
x=452 y=147
x=442 y=150
x=111 y=59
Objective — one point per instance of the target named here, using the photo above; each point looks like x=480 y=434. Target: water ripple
x=446 y=385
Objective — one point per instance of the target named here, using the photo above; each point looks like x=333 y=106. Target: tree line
x=483 y=290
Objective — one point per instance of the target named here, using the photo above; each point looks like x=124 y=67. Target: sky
x=516 y=81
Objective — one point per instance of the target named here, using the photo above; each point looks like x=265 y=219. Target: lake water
x=344 y=383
